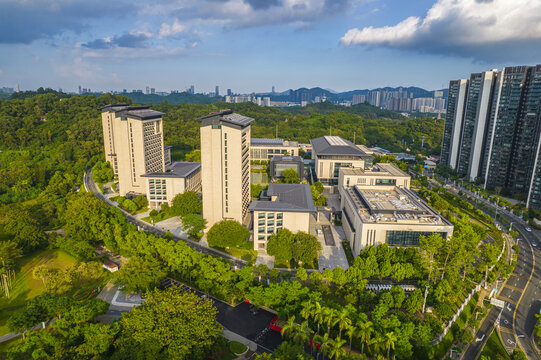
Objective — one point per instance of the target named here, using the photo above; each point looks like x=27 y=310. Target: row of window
x=158 y=197
x=261 y=215
x=269 y=223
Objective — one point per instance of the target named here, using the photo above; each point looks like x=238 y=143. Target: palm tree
x=323 y=342
x=328 y=318
x=343 y=321
x=365 y=333
x=318 y=314
x=336 y=349
x=303 y=333
x=350 y=332
x=291 y=328
x=390 y=339
x=378 y=343
x=307 y=310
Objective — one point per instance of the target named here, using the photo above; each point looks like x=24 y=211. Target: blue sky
x=251 y=45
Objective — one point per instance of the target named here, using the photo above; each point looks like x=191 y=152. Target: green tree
x=336 y=350
x=193 y=225
x=170 y=325
x=280 y=245
x=186 y=203
x=414 y=301
x=302 y=275
x=306 y=248
x=140 y=274
x=365 y=329
x=390 y=340
x=290 y=176
x=228 y=233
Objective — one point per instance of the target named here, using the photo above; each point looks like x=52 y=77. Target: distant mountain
x=366 y=110
x=176 y=98
x=305 y=94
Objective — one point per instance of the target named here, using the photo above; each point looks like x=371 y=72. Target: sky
x=252 y=45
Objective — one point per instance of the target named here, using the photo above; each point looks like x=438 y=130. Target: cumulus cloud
x=126 y=53
x=482 y=29
x=174 y=29
x=133 y=39
x=26 y=21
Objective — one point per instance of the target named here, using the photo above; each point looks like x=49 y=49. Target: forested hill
x=366 y=110
x=176 y=98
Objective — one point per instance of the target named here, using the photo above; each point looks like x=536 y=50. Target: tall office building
x=475 y=121
x=500 y=131
x=133 y=140
x=217 y=92
x=80 y=90
x=192 y=89
x=148 y=90
x=456 y=101
x=225 y=166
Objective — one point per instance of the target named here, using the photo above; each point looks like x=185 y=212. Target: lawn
x=25 y=287
x=494 y=349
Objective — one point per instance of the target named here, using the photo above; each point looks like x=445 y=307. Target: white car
x=528 y=229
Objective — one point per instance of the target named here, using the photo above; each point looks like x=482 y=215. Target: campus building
x=375 y=215
x=281 y=206
x=225 y=166
x=133 y=140
x=265 y=149
x=456 y=101
x=383 y=174
x=280 y=163
x=178 y=178
x=330 y=153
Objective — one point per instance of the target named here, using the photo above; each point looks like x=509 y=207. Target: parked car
x=529 y=229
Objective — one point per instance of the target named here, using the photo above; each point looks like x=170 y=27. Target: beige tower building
x=133 y=139
x=225 y=166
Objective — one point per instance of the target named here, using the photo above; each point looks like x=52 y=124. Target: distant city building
x=281 y=206
x=81 y=91
x=217 y=92
x=493 y=129
x=229 y=92
x=6 y=90
x=192 y=89
x=330 y=153
x=225 y=162
x=273 y=91
x=358 y=99
x=152 y=91
x=148 y=90
x=17 y=89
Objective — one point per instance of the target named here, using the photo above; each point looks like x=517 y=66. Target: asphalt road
x=521 y=293
x=90 y=185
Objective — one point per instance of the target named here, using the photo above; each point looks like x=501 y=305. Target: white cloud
x=125 y=53
x=171 y=30
x=481 y=29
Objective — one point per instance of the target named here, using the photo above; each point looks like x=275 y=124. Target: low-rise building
x=265 y=149
x=179 y=177
x=280 y=163
x=281 y=206
x=331 y=153
x=373 y=215
x=382 y=174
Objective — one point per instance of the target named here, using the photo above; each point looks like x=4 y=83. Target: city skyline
x=251 y=46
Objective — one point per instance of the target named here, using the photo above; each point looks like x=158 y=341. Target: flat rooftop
x=381 y=169
x=176 y=170
x=227 y=117
x=392 y=204
x=287 y=197
x=134 y=112
x=335 y=145
x=272 y=142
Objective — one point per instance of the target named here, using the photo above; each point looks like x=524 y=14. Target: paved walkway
x=231 y=336
x=333 y=256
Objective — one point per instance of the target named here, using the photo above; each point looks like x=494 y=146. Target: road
x=91 y=186
x=521 y=292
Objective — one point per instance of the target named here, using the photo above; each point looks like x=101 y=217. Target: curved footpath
x=90 y=186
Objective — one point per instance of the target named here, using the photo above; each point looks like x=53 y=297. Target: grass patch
x=25 y=287
x=348 y=251
x=160 y=217
x=494 y=349
x=293 y=265
x=248 y=254
x=237 y=347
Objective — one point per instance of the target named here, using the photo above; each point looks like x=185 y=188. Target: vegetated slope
x=176 y=98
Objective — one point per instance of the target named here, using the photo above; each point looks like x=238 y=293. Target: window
x=270 y=216
x=270 y=230
x=279 y=216
x=261 y=222
x=261 y=237
x=261 y=229
x=404 y=238
x=279 y=223
x=261 y=215
x=385 y=181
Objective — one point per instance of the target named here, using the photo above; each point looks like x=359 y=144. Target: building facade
x=456 y=102
x=162 y=187
x=500 y=131
x=133 y=140
x=265 y=149
x=225 y=166
x=330 y=153
x=394 y=215
x=281 y=206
